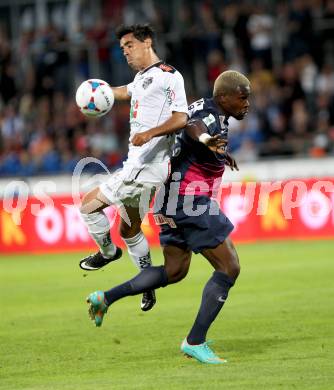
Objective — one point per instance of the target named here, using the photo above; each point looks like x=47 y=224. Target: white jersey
x=155 y=93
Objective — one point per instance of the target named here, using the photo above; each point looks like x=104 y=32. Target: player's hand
x=140 y=139
x=230 y=161
x=217 y=144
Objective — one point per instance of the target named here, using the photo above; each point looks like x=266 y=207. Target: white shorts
x=132 y=186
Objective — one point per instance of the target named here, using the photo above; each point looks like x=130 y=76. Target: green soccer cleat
x=202 y=352
x=97 y=307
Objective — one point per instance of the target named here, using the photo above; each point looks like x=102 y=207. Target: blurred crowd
x=286 y=48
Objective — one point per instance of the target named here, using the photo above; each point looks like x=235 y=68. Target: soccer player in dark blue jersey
x=190 y=218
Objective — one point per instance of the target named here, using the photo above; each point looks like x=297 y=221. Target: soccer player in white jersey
x=158 y=106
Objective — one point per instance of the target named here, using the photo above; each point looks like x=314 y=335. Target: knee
x=91 y=203
x=176 y=274
x=229 y=265
x=128 y=231
x=83 y=207
x=234 y=266
x=235 y=271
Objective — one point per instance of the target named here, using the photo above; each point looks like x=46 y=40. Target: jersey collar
x=151 y=66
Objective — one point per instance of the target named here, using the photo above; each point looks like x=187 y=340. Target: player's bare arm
x=176 y=122
x=198 y=131
x=121 y=93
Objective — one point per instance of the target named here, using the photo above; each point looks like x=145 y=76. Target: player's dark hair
x=139 y=31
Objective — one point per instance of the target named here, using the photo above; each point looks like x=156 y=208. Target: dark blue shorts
x=193 y=232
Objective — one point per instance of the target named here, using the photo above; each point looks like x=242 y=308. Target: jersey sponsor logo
x=170 y=94
x=135 y=124
x=162 y=220
x=166 y=68
x=134 y=109
x=208 y=120
x=147 y=82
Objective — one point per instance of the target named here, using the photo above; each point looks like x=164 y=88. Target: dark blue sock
x=213 y=298
x=148 y=279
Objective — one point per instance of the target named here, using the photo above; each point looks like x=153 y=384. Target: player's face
x=236 y=104
x=135 y=51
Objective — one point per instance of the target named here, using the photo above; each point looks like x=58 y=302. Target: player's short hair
x=139 y=31
x=228 y=82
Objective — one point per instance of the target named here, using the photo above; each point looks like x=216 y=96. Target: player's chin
x=131 y=64
x=241 y=115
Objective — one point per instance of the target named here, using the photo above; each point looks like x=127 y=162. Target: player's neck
x=219 y=106
x=151 y=60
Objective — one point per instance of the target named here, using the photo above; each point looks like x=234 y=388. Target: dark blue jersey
x=188 y=216
x=194 y=160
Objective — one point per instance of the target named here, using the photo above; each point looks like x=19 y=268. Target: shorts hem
x=213 y=244
x=181 y=246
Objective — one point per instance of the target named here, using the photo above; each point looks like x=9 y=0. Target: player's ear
x=148 y=42
x=221 y=98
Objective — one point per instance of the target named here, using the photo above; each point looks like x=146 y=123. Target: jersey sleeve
x=129 y=88
x=175 y=92
x=208 y=119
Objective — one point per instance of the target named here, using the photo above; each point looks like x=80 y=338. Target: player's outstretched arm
x=176 y=122
x=198 y=131
x=121 y=93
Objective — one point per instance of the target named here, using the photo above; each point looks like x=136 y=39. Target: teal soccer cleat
x=201 y=352
x=97 y=307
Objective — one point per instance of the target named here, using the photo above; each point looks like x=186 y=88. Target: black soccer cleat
x=148 y=300
x=97 y=261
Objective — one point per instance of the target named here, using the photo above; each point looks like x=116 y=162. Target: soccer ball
x=94 y=97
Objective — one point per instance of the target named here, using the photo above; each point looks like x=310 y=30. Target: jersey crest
x=147 y=82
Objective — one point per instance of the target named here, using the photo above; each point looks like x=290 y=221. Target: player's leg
x=93 y=204
x=134 y=238
x=138 y=249
x=136 y=205
x=225 y=261
x=224 y=258
x=177 y=263
x=176 y=266
x=114 y=191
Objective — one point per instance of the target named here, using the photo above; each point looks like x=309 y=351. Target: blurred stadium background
x=285 y=340
x=48 y=47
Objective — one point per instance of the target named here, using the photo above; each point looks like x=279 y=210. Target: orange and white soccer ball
x=94 y=97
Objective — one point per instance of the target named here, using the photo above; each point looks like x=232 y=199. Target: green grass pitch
x=276 y=329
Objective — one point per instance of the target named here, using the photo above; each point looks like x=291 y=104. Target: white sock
x=139 y=250
x=99 y=229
